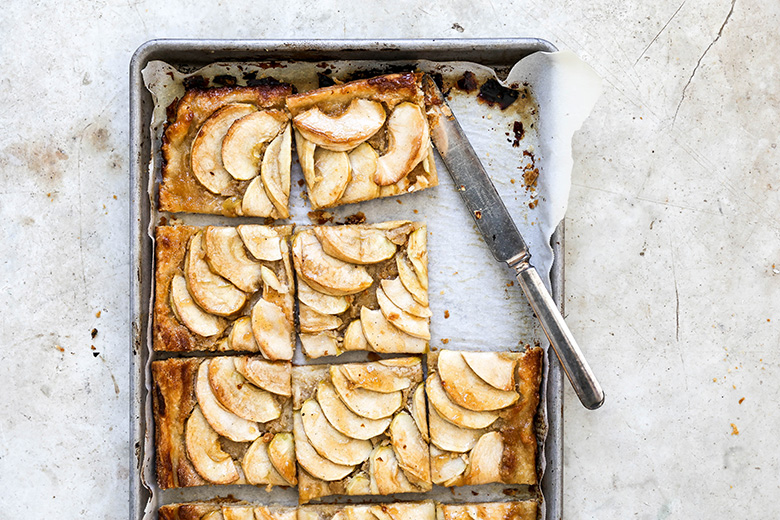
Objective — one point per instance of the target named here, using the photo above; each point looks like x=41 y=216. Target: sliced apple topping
x=485 y=460
x=405 y=511
x=466 y=388
x=322 y=303
x=410 y=448
x=417 y=251
x=313 y=321
x=328 y=441
x=408 y=136
x=206 y=157
x=238 y=395
x=411 y=282
x=275 y=171
x=235 y=513
x=361 y=186
x=273 y=331
x=271 y=280
x=210 y=291
x=448 y=437
x=264 y=243
x=354 y=339
x=418 y=411
x=453 y=412
x=242 y=147
x=356 y=245
x=188 y=312
x=305 y=149
x=325 y=273
x=372 y=405
x=313 y=462
x=227 y=257
x=375 y=377
x=258 y=467
x=358 y=484
x=241 y=336
x=385 y=337
x=281 y=451
x=495 y=368
x=387 y=475
x=255 y=201
x=332 y=172
x=273 y=376
x=319 y=345
x=345 y=420
x=447 y=468
x=399 y=295
x=359 y=121
x=205 y=453
x=412 y=325
x=224 y=422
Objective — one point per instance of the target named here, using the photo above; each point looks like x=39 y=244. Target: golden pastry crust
x=384 y=428
x=424 y=510
x=495 y=443
x=229 y=511
x=519 y=510
x=174 y=399
x=170 y=334
x=180 y=191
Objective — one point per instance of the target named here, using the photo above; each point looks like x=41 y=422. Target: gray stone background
x=673 y=239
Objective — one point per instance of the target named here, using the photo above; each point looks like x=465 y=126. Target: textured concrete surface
x=673 y=264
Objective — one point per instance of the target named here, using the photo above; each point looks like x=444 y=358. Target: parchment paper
x=476 y=302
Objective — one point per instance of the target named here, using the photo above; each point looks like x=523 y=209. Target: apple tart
x=225 y=511
x=396 y=511
x=363 y=140
x=223 y=420
x=362 y=287
x=517 y=510
x=360 y=429
x=481 y=410
x=227 y=151
x=224 y=288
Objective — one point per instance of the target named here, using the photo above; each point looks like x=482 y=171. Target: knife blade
x=504 y=239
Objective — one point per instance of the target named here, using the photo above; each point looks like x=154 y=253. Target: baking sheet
x=460 y=263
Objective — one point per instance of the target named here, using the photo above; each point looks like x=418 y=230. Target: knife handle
x=577 y=370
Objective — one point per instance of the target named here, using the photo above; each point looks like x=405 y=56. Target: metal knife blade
x=504 y=240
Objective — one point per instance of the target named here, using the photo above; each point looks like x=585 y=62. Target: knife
x=505 y=242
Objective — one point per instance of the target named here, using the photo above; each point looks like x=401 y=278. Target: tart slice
x=224 y=288
x=363 y=140
x=227 y=151
x=223 y=420
x=360 y=429
x=425 y=510
x=225 y=511
x=515 y=510
x=481 y=411
x=363 y=287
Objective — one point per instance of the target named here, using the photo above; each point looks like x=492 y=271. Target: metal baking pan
x=189 y=54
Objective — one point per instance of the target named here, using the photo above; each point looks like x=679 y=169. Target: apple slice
x=206 y=156
x=313 y=462
x=359 y=121
x=412 y=325
x=408 y=136
x=319 y=345
x=387 y=475
x=375 y=377
x=345 y=420
x=188 y=312
x=405 y=511
x=418 y=411
x=205 y=453
x=305 y=149
x=210 y=291
x=332 y=172
x=325 y=273
x=385 y=337
x=466 y=388
x=447 y=468
x=275 y=171
x=372 y=405
x=273 y=331
x=255 y=201
x=417 y=251
x=495 y=368
x=356 y=245
x=410 y=449
x=312 y=321
x=358 y=484
x=411 y=282
x=361 y=186
x=273 y=376
x=399 y=295
x=234 y=513
x=271 y=280
x=241 y=336
x=227 y=257
x=238 y=395
x=281 y=451
x=453 y=412
x=328 y=441
x=224 y=422
x=242 y=146
x=485 y=460
x=322 y=303
x=258 y=468
x=448 y=437
x=263 y=242
x=354 y=339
